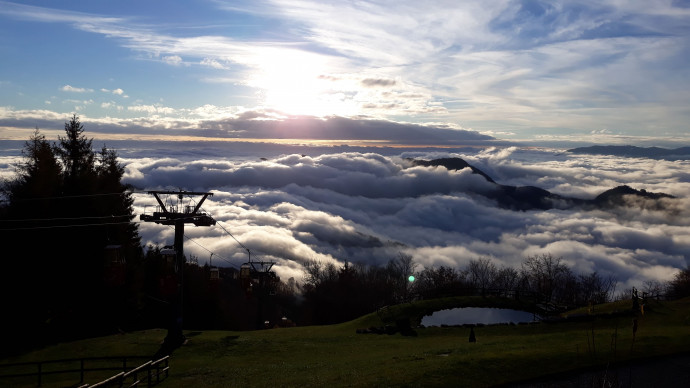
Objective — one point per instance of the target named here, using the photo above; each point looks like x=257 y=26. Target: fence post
x=81 y=370
x=39 y=373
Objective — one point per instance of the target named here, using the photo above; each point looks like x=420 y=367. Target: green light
x=411 y=278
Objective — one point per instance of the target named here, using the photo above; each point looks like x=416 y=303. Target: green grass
x=336 y=356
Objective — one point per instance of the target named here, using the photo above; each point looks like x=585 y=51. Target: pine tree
x=117 y=199
x=65 y=204
x=39 y=175
x=77 y=158
x=30 y=274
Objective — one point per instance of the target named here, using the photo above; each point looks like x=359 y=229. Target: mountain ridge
x=524 y=198
x=681 y=153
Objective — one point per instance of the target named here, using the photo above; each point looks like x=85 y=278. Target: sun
x=296 y=83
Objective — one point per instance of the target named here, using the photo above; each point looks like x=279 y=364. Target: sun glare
x=294 y=82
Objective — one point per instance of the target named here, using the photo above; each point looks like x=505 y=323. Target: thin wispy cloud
x=69 y=88
x=525 y=69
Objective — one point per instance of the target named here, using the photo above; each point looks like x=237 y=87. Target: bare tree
x=507 y=278
x=481 y=273
x=653 y=288
x=399 y=270
x=545 y=274
x=434 y=281
x=595 y=288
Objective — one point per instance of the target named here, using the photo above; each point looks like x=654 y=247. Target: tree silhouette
x=38 y=176
x=679 y=287
x=64 y=205
x=77 y=157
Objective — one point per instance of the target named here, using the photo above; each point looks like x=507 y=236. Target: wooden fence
x=149 y=373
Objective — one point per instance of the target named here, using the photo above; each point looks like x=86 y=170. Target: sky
x=405 y=72
x=299 y=116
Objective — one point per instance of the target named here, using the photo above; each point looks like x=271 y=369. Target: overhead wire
x=65 y=219
x=115 y=223
x=69 y=226
x=78 y=196
x=207 y=250
x=233 y=237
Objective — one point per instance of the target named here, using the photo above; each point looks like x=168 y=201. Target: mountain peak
x=531 y=197
x=616 y=195
x=451 y=164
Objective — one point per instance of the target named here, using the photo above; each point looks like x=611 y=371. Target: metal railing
x=155 y=371
x=151 y=370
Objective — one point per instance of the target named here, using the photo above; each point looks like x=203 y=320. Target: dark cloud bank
x=264 y=125
x=367 y=207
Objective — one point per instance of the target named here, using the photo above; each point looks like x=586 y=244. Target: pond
x=472 y=315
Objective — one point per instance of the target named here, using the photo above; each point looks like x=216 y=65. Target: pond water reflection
x=470 y=315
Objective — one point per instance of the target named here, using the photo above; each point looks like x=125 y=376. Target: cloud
x=517 y=68
x=374 y=82
x=151 y=109
x=69 y=88
x=213 y=63
x=367 y=207
x=229 y=122
x=174 y=60
x=341 y=128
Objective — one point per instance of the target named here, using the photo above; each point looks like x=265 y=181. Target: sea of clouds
x=292 y=204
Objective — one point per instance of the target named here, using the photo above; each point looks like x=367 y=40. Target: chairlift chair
x=215 y=273
x=167 y=281
x=246 y=276
x=114 y=265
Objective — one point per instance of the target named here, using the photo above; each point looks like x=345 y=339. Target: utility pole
x=178 y=215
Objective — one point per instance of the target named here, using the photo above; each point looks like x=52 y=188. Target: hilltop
x=334 y=355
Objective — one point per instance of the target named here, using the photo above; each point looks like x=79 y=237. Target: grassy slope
x=336 y=356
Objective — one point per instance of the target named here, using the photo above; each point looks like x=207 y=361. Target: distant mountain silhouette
x=451 y=164
x=635 y=152
x=531 y=197
x=615 y=196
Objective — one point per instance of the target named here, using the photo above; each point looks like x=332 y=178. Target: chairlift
x=169 y=256
x=258 y=274
x=114 y=265
x=246 y=276
x=215 y=273
x=167 y=272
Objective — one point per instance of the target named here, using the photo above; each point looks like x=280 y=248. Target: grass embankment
x=336 y=356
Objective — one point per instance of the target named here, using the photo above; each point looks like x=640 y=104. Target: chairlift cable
x=250 y=252
x=208 y=250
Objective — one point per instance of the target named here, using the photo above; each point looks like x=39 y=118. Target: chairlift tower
x=178 y=214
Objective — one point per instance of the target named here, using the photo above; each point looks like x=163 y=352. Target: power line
x=76 y=196
x=70 y=226
x=65 y=219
